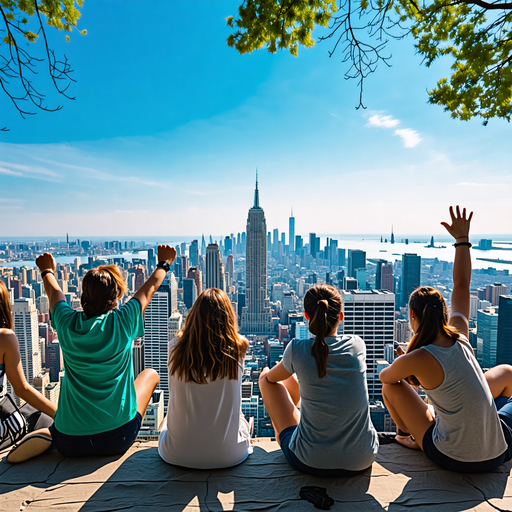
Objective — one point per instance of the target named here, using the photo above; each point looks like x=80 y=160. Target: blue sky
x=170 y=124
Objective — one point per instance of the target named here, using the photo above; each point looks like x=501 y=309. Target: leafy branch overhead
x=476 y=34
x=23 y=23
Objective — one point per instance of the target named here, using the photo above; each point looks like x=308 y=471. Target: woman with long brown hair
x=465 y=433
x=26 y=427
x=332 y=434
x=204 y=428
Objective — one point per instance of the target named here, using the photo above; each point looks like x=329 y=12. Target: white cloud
x=379 y=121
x=410 y=137
x=31 y=169
x=9 y=172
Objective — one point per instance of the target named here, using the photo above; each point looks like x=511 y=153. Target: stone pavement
x=401 y=480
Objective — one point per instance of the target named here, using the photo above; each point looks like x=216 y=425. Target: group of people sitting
x=316 y=396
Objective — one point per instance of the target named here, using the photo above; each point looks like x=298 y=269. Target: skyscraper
x=356 y=260
x=312 y=244
x=203 y=246
x=504 y=342
x=291 y=233
x=195 y=274
x=256 y=315
x=411 y=276
x=156 y=339
x=371 y=315
x=384 y=276
x=193 y=252
x=214 y=268
x=27 y=332
x=487 y=337
x=189 y=292
x=230 y=268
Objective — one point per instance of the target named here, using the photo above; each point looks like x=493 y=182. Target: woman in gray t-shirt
x=332 y=434
x=466 y=433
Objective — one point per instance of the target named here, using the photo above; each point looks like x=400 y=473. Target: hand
x=46 y=262
x=166 y=253
x=459 y=227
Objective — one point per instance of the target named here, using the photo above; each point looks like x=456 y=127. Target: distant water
x=375 y=249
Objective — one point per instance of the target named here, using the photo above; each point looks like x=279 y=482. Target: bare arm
x=459 y=229
x=15 y=375
x=47 y=262
x=147 y=290
x=278 y=373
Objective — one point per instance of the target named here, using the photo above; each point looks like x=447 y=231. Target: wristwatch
x=163 y=264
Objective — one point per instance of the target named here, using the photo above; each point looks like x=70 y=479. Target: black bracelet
x=44 y=272
x=467 y=244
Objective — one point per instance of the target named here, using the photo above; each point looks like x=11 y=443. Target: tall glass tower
x=256 y=315
x=291 y=234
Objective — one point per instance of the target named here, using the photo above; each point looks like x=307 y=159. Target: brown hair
x=322 y=303
x=431 y=310
x=5 y=307
x=209 y=346
x=101 y=288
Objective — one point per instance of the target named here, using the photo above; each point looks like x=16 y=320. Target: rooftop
x=401 y=480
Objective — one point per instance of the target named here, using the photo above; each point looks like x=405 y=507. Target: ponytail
x=318 y=325
x=430 y=308
x=323 y=305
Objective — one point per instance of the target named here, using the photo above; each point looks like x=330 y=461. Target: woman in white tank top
x=466 y=433
x=204 y=427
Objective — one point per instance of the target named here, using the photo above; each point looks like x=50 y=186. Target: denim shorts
x=504 y=406
x=113 y=442
x=284 y=438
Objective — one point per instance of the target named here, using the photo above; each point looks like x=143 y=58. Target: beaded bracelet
x=45 y=272
x=467 y=244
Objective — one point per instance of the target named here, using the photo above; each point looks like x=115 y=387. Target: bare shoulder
x=245 y=345
x=7 y=339
x=7 y=335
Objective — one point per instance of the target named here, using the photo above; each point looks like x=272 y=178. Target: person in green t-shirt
x=101 y=405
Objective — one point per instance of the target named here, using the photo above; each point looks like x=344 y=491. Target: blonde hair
x=101 y=289
x=209 y=346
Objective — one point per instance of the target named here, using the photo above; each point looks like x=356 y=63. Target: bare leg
x=499 y=379
x=292 y=386
x=409 y=412
x=279 y=404
x=145 y=383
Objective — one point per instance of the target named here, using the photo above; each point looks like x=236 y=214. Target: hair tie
x=323 y=301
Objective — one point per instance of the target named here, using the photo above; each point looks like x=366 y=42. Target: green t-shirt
x=97 y=393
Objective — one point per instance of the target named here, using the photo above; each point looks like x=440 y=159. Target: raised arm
x=459 y=229
x=47 y=266
x=145 y=292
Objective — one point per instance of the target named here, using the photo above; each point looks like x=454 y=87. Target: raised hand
x=46 y=262
x=166 y=253
x=459 y=228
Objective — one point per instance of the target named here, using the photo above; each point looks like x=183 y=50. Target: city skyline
x=174 y=150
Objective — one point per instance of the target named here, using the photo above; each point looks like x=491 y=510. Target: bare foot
x=407 y=441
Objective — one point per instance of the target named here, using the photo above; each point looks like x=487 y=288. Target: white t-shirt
x=204 y=427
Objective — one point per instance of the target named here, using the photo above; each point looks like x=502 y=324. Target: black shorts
x=113 y=442
x=450 y=464
x=34 y=419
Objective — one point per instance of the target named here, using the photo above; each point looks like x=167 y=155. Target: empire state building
x=256 y=315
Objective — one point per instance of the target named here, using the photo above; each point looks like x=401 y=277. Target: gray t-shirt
x=335 y=430
x=467 y=428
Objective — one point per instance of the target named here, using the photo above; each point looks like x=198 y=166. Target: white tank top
x=467 y=428
x=203 y=428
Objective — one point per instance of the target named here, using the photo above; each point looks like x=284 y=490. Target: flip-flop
x=31 y=445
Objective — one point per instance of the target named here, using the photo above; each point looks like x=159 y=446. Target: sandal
x=31 y=445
